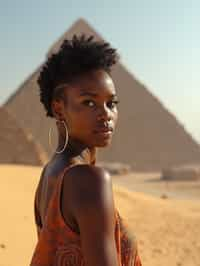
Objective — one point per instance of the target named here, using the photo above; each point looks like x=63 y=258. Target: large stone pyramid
x=16 y=145
x=148 y=137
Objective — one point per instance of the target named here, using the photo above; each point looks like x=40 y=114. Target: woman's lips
x=104 y=132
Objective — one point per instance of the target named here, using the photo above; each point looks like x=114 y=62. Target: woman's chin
x=100 y=140
x=104 y=143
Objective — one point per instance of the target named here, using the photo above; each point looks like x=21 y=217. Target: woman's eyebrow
x=85 y=93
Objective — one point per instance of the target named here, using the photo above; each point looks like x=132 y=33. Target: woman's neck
x=77 y=152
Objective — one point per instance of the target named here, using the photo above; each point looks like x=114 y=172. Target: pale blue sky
x=159 y=42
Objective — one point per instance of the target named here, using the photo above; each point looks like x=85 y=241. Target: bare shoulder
x=87 y=182
x=89 y=189
x=87 y=171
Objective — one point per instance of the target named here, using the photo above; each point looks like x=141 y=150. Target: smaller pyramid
x=16 y=145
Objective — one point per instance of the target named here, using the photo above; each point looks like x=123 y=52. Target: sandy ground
x=168 y=230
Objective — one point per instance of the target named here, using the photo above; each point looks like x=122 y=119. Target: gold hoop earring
x=66 y=137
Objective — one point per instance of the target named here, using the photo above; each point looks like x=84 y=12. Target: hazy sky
x=159 y=42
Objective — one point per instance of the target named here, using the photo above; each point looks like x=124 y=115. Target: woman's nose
x=104 y=113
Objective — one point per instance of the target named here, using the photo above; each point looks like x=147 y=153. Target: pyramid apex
x=82 y=21
x=80 y=26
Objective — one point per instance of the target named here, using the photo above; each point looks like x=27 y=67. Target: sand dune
x=167 y=230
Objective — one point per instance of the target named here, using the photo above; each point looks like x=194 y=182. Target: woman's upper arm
x=93 y=208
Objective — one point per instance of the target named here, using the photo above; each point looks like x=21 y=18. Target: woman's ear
x=57 y=107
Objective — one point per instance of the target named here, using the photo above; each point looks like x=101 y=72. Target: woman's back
x=59 y=242
x=45 y=188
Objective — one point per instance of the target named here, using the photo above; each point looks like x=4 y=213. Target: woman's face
x=90 y=111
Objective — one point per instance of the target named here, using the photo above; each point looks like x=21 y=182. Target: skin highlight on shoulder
x=86 y=181
x=88 y=186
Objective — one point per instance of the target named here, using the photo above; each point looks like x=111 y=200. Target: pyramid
x=16 y=145
x=148 y=136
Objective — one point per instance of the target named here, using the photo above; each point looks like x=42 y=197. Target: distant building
x=16 y=145
x=148 y=136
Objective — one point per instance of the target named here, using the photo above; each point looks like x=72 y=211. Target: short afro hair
x=75 y=57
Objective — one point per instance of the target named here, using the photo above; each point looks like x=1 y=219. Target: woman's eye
x=112 y=104
x=89 y=103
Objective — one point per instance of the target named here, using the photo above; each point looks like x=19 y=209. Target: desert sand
x=167 y=229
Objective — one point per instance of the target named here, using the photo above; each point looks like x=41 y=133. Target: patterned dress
x=59 y=245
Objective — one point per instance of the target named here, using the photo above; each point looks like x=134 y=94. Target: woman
x=76 y=219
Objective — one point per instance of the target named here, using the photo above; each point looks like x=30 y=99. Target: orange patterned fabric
x=59 y=245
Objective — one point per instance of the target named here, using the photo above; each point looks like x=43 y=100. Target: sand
x=167 y=230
